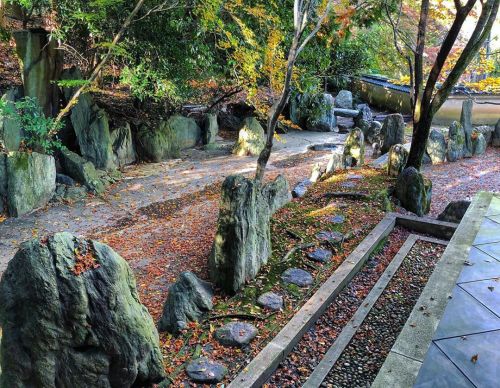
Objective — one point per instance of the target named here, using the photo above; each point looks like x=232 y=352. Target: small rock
x=237 y=334
x=65 y=180
x=297 y=276
x=301 y=188
x=454 y=211
x=320 y=255
x=330 y=237
x=203 y=370
x=337 y=219
x=271 y=301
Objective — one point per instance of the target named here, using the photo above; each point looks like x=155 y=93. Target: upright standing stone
x=456 y=142
x=495 y=138
x=398 y=156
x=436 y=146
x=243 y=242
x=71 y=317
x=414 y=191
x=392 y=132
x=336 y=162
x=210 y=128
x=466 y=121
x=344 y=100
x=123 y=145
x=188 y=300
x=373 y=133
x=478 y=143
x=354 y=149
x=251 y=138
x=316 y=173
x=41 y=66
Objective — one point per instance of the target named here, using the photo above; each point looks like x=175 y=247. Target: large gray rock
x=364 y=119
x=123 y=145
x=456 y=142
x=187 y=301
x=251 y=138
x=392 y=131
x=71 y=317
x=320 y=113
x=205 y=371
x=236 y=334
x=210 y=128
x=495 y=138
x=155 y=145
x=82 y=171
x=478 y=143
x=184 y=131
x=466 y=121
x=344 y=99
x=436 y=146
x=27 y=181
x=11 y=132
x=454 y=211
x=242 y=242
x=373 y=132
x=398 y=156
x=414 y=191
x=354 y=148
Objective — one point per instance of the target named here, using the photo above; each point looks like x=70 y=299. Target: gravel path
x=361 y=360
x=315 y=343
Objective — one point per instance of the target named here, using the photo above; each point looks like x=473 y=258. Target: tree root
x=349 y=195
x=295 y=249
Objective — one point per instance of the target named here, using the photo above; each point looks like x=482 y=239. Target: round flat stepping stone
x=320 y=255
x=354 y=176
x=297 y=276
x=203 y=370
x=337 y=219
x=330 y=237
x=271 y=301
x=237 y=334
x=348 y=185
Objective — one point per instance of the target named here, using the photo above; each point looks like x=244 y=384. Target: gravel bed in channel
x=362 y=359
x=295 y=369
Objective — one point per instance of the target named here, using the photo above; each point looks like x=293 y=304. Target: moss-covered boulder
x=71 y=317
x=456 y=142
x=185 y=132
x=478 y=142
x=27 y=181
x=251 y=138
x=414 y=191
x=82 y=171
x=243 y=242
x=436 y=146
x=397 y=158
x=319 y=112
x=354 y=148
x=11 y=132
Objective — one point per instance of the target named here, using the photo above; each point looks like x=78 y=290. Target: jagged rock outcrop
x=251 y=138
x=188 y=300
x=27 y=181
x=242 y=242
x=71 y=317
x=82 y=171
x=123 y=145
x=392 y=131
x=414 y=191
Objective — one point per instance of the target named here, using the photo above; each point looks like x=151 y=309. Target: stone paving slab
x=436 y=316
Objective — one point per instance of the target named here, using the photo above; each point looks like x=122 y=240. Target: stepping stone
x=203 y=370
x=320 y=255
x=237 y=334
x=354 y=176
x=270 y=301
x=297 y=276
x=348 y=185
x=337 y=219
x=330 y=237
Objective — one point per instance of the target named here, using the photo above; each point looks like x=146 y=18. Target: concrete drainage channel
x=265 y=363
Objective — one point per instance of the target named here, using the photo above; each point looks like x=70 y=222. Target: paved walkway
x=465 y=351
